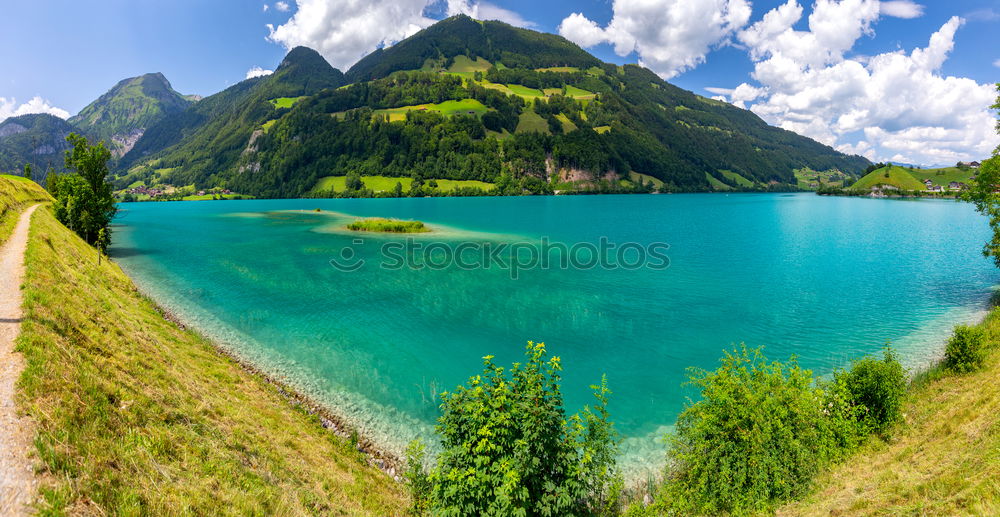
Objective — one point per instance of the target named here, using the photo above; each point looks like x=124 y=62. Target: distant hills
x=915 y=179
x=37 y=139
x=462 y=100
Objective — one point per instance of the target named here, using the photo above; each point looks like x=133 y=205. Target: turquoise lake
x=826 y=279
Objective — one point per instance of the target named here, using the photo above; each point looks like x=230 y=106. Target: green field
x=267 y=125
x=464 y=106
x=716 y=184
x=566 y=69
x=524 y=91
x=943 y=176
x=602 y=129
x=890 y=175
x=388 y=183
x=740 y=180
x=567 y=124
x=646 y=178
x=578 y=93
x=209 y=197
x=285 y=102
x=465 y=67
x=531 y=121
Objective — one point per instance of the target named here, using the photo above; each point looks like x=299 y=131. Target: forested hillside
x=37 y=139
x=515 y=110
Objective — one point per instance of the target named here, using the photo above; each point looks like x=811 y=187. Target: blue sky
x=69 y=52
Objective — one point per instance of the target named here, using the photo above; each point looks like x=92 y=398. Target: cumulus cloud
x=997 y=63
x=258 y=72
x=10 y=108
x=669 y=36
x=902 y=9
x=266 y=7
x=895 y=105
x=344 y=31
x=282 y=6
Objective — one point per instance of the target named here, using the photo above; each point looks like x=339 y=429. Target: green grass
x=942 y=461
x=897 y=177
x=524 y=91
x=567 y=124
x=285 y=102
x=578 y=93
x=602 y=129
x=207 y=197
x=388 y=183
x=266 y=126
x=636 y=176
x=566 y=69
x=137 y=416
x=944 y=175
x=383 y=225
x=467 y=68
x=464 y=107
x=740 y=180
x=716 y=184
x=531 y=121
x=808 y=179
x=16 y=194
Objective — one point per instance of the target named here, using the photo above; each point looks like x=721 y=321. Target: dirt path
x=17 y=479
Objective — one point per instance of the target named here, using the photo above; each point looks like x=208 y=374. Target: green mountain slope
x=37 y=139
x=892 y=175
x=469 y=100
x=209 y=136
x=122 y=115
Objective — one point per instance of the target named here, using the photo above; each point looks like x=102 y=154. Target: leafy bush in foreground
x=966 y=350
x=509 y=450
x=758 y=435
x=878 y=388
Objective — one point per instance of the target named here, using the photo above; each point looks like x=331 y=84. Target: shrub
x=508 y=449
x=966 y=350
x=877 y=386
x=759 y=433
x=417 y=481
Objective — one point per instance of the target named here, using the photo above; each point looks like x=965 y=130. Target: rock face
x=121 y=116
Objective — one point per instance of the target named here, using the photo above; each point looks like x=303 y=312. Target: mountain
x=36 y=139
x=460 y=35
x=122 y=115
x=191 y=146
x=470 y=100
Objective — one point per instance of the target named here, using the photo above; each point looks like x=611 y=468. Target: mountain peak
x=303 y=56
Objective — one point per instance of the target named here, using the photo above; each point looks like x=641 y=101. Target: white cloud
x=669 y=36
x=997 y=63
x=900 y=102
x=902 y=9
x=282 y=6
x=487 y=11
x=266 y=7
x=10 y=108
x=344 y=31
x=258 y=72
x=720 y=91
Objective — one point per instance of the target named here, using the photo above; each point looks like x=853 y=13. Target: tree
x=85 y=201
x=508 y=448
x=27 y=170
x=353 y=181
x=985 y=195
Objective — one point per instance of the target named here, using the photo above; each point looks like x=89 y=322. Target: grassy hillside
x=387 y=184
x=16 y=194
x=943 y=461
x=894 y=175
x=137 y=416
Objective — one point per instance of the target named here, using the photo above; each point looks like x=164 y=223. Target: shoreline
x=377 y=455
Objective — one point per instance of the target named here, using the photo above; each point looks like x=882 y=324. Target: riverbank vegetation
x=137 y=416
x=381 y=224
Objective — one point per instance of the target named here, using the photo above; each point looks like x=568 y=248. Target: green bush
x=878 y=387
x=509 y=450
x=966 y=350
x=759 y=433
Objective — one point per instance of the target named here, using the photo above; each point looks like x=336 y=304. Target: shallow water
x=826 y=279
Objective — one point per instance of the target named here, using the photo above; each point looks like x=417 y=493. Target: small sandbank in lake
x=385 y=225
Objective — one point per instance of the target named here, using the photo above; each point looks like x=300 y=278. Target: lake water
x=826 y=279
